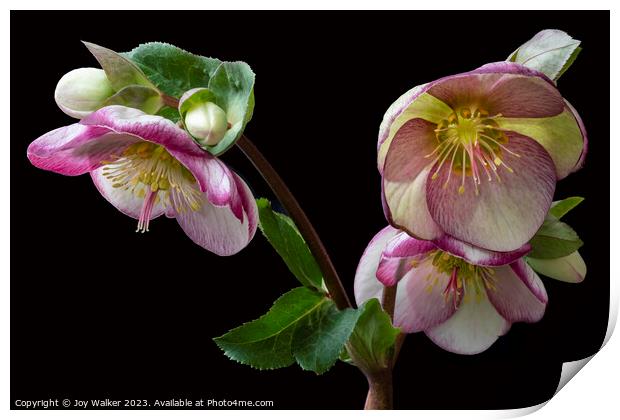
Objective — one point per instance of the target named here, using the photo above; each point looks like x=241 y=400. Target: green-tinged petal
x=425 y=106
x=559 y=135
x=571 y=268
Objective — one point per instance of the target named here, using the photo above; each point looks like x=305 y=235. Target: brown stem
x=380 y=394
x=288 y=201
x=169 y=101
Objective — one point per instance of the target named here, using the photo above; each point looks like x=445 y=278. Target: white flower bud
x=207 y=123
x=82 y=91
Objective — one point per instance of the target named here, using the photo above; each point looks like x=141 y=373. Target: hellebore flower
x=461 y=296
x=476 y=156
x=146 y=166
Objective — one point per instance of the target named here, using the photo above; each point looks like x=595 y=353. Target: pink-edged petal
x=366 y=286
x=584 y=134
x=212 y=175
x=560 y=135
x=76 y=149
x=479 y=256
x=571 y=268
x=399 y=255
x=413 y=104
x=404 y=179
x=512 y=293
x=217 y=229
x=248 y=204
x=216 y=180
x=420 y=300
x=418 y=306
x=504 y=215
x=124 y=200
x=509 y=89
x=152 y=128
x=473 y=328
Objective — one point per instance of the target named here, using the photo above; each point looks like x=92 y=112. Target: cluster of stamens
x=148 y=171
x=473 y=143
x=466 y=279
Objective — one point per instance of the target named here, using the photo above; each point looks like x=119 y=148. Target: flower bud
x=207 y=123
x=82 y=91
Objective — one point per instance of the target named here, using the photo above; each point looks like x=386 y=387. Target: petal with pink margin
x=212 y=175
x=560 y=135
x=416 y=308
x=584 y=134
x=474 y=327
x=216 y=228
x=399 y=257
x=125 y=201
x=366 y=286
x=405 y=177
x=77 y=149
x=509 y=89
x=511 y=296
x=423 y=304
x=479 y=256
x=505 y=215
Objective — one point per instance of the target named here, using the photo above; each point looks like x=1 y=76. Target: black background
x=98 y=311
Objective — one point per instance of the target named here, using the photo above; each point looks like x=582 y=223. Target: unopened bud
x=207 y=123
x=82 y=91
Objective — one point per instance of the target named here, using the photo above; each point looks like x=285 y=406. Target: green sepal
x=283 y=235
x=302 y=326
x=561 y=207
x=120 y=71
x=173 y=70
x=373 y=338
x=141 y=97
x=196 y=96
x=233 y=86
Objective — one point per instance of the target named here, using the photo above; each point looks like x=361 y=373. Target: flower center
x=148 y=171
x=465 y=278
x=472 y=142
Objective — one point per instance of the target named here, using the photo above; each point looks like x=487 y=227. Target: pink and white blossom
x=476 y=156
x=146 y=166
x=461 y=296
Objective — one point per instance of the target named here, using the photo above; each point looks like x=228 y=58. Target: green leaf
x=373 y=337
x=173 y=70
x=560 y=208
x=283 y=235
x=554 y=239
x=141 y=97
x=569 y=62
x=120 y=71
x=550 y=51
x=233 y=86
x=302 y=325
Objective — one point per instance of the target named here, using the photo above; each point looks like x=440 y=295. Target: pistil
x=472 y=142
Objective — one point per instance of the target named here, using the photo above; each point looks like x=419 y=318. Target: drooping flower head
x=146 y=166
x=461 y=296
x=476 y=156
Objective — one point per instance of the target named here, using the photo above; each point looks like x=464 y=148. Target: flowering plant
x=469 y=165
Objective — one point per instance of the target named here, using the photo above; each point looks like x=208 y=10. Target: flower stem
x=380 y=394
x=288 y=201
